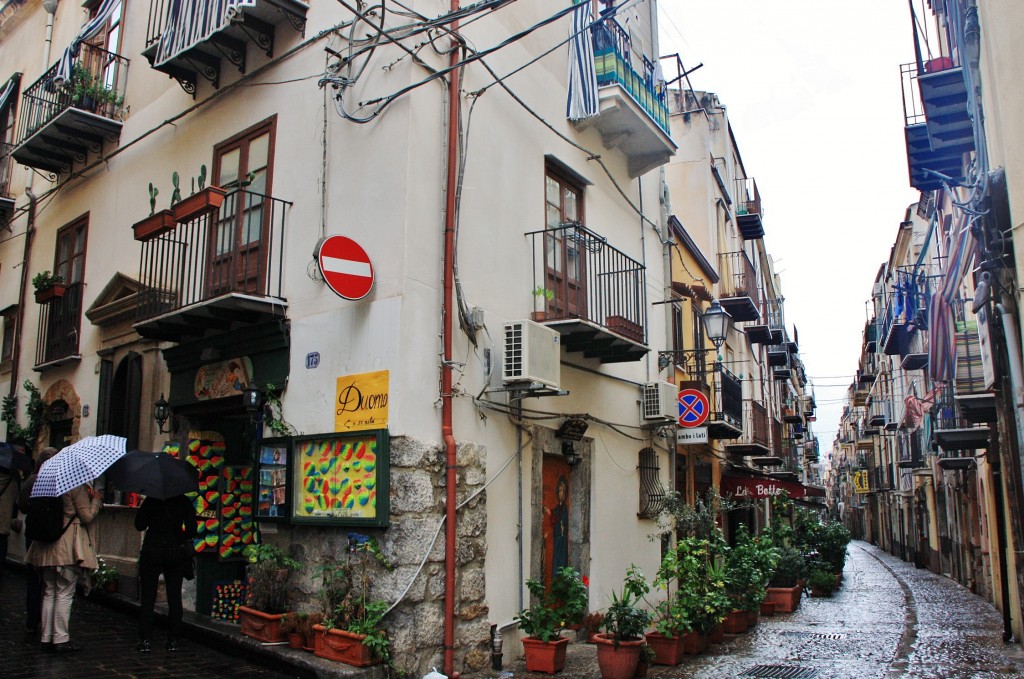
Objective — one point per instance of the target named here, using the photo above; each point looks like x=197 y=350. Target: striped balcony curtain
x=582 y=101
x=90 y=30
x=7 y=94
x=190 y=22
x=941 y=325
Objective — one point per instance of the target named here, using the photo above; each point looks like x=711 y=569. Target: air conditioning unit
x=532 y=353
x=660 y=401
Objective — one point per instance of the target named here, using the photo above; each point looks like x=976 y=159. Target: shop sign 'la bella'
x=361 y=402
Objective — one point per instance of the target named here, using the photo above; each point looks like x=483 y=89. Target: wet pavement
x=889 y=619
x=107 y=633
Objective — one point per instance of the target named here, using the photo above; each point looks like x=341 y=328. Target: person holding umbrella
x=69 y=475
x=169 y=519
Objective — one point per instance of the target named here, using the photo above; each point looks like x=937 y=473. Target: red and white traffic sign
x=693 y=408
x=345 y=267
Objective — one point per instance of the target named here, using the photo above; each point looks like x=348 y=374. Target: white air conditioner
x=532 y=353
x=660 y=401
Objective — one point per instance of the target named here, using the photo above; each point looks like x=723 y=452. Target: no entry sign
x=693 y=408
x=346 y=267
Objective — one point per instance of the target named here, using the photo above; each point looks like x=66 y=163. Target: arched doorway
x=60 y=424
x=126 y=399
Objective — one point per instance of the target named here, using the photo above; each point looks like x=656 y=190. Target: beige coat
x=76 y=546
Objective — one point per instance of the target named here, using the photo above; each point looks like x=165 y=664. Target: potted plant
x=618 y=650
x=783 y=588
x=591 y=625
x=104 y=577
x=206 y=199
x=351 y=630
x=821 y=582
x=292 y=625
x=266 y=593
x=831 y=546
x=48 y=287
x=313 y=619
x=553 y=609
x=82 y=88
x=546 y=294
x=156 y=223
x=748 y=566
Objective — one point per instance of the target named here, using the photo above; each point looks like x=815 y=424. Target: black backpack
x=44 y=521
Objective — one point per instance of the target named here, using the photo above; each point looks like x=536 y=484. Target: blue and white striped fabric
x=7 y=95
x=942 y=345
x=190 y=22
x=582 y=102
x=81 y=462
x=90 y=30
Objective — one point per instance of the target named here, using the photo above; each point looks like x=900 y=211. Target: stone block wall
x=416 y=625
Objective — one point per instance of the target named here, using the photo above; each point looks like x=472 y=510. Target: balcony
x=871 y=336
x=218 y=272
x=755 y=439
x=634 y=116
x=770 y=333
x=58 y=330
x=977 y=403
x=725 y=392
x=177 y=46
x=60 y=124
x=880 y=414
x=6 y=200
x=938 y=130
x=790 y=412
x=739 y=293
x=593 y=294
x=748 y=210
x=952 y=431
x=908 y=446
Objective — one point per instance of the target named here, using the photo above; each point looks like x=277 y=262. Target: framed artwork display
x=273 y=499
x=341 y=479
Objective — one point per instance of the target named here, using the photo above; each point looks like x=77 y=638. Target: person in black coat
x=170 y=526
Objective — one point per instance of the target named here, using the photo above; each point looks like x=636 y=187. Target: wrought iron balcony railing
x=236 y=248
x=577 y=274
x=724 y=392
x=613 y=64
x=59 y=325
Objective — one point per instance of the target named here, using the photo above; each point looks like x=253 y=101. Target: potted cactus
x=156 y=223
x=206 y=199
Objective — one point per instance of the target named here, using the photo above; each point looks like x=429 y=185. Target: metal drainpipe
x=1017 y=384
x=447 y=309
x=30 y=232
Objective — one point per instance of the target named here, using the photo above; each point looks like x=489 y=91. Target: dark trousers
x=170 y=562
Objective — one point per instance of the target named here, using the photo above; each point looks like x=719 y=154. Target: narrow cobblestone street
x=889 y=619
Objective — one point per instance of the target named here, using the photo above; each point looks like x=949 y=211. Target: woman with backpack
x=60 y=565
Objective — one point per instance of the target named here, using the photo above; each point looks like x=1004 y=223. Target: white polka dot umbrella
x=81 y=462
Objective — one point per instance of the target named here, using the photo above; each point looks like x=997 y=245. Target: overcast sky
x=813 y=93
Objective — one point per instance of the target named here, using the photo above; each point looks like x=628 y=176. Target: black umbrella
x=158 y=475
x=13 y=461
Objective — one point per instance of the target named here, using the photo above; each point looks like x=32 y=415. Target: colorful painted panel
x=228 y=595
x=341 y=479
x=236 y=525
x=206 y=453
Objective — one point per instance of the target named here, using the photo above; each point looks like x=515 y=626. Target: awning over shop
x=758 y=488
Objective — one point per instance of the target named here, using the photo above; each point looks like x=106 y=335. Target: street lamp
x=161 y=411
x=716 y=323
x=252 y=399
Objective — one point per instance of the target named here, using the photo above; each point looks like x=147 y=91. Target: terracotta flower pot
x=199 y=203
x=752 y=619
x=717 y=634
x=767 y=607
x=667 y=650
x=787 y=599
x=337 y=644
x=50 y=293
x=694 y=643
x=545 y=656
x=295 y=640
x=154 y=225
x=261 y=626
x=617 y=660
x=735 y=622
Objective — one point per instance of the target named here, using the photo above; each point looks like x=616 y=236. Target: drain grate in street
x=834 y=636
x=780 y=672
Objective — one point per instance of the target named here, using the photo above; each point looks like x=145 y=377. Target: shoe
x=46 y=647
x=143 y=646
x=172 y=646
x=66 y=647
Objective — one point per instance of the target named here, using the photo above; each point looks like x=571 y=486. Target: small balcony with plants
x=939 y=129
x=188 y=49
x=62 y=121
x=634 y=115
x=739 y=293
x=210 y=264
x=593 y=294
x=748 y=209
x=60 y=316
